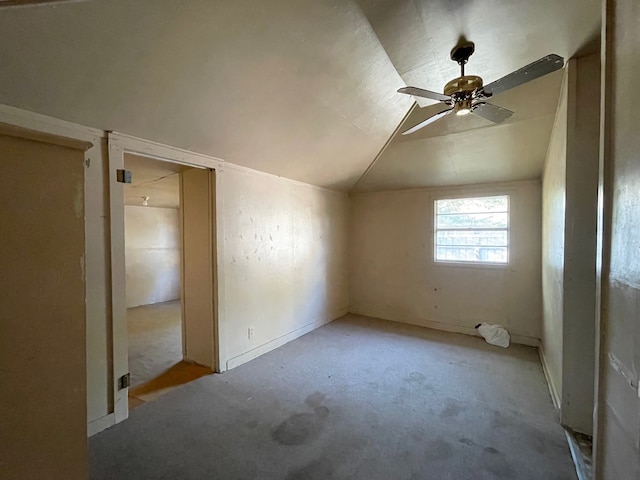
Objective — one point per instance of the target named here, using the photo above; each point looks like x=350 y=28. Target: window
x=472 y=230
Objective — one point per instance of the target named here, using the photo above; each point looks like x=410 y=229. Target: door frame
x=118 y=145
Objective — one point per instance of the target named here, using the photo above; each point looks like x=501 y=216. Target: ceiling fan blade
x=491 y=112
x=429 y=120
x=420 y=92
x=534 y=70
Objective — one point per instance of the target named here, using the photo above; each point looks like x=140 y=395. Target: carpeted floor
x=356 y=399
x=155 y=340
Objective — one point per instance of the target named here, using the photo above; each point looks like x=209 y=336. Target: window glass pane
x=472 y=238
x=472 y=254
x=473 y=220
x=473 y=205
x=472 y=230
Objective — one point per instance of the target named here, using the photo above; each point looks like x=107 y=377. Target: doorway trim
x=118 y=145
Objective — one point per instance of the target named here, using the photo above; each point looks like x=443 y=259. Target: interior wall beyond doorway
x=152 y=238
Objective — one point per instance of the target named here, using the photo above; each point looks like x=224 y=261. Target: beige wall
x=152 y=237
x=42 y=312
x=197 y=196
x=617 y=447
x=569 y=245
x=553 y=244
x=282 y=285
x=393 y=275
x=283 y=264
x=578 y=339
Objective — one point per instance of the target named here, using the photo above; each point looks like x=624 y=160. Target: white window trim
x=470 y=264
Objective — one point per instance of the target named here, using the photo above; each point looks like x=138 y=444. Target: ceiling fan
x=466 y=94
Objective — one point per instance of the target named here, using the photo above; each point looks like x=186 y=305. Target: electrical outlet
x=251 y=332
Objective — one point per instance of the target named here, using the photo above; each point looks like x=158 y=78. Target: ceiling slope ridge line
x=567 y=69
x=380 y=44
x=384 y=147
x=476 y=187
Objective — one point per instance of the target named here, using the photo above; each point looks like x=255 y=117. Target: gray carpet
x=356 y=399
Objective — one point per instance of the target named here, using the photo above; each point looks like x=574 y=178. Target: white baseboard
x=524 y=340
x=100 y=424
x=519 y=339
x=447 y=327
x=278 y=342
x=547 y=373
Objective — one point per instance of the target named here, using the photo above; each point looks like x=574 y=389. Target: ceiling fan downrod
x=461 y=53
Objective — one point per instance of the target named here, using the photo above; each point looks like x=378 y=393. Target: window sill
x=485 y=266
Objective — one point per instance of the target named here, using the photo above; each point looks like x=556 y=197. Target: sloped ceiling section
x=298 y=88
x=418 y=36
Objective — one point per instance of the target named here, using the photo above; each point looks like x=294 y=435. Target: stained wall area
x=393 y=274
x=152 y=237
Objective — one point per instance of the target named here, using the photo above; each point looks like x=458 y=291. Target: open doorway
x=156 y=271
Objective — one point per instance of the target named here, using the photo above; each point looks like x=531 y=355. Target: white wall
x=393 y=275
x=283 y=263
x=152 y=237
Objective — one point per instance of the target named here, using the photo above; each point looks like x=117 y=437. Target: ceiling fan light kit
x=466 y=94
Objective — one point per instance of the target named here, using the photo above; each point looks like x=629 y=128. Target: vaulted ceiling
x=418 y=36
x=300 y=88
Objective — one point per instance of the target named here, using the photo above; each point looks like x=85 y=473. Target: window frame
x=468 y=263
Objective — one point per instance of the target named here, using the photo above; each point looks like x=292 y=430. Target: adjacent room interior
x=160 y=274
x=152 y=257
x=256 y=239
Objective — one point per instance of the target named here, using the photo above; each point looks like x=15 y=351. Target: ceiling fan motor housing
x=461 y=89
x=463 y=86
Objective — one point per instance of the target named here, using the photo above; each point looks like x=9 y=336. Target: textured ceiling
x=469 y=149
x=300 y=88
x=418 y=36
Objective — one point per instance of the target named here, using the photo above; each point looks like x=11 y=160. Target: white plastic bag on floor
x=494 y=334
